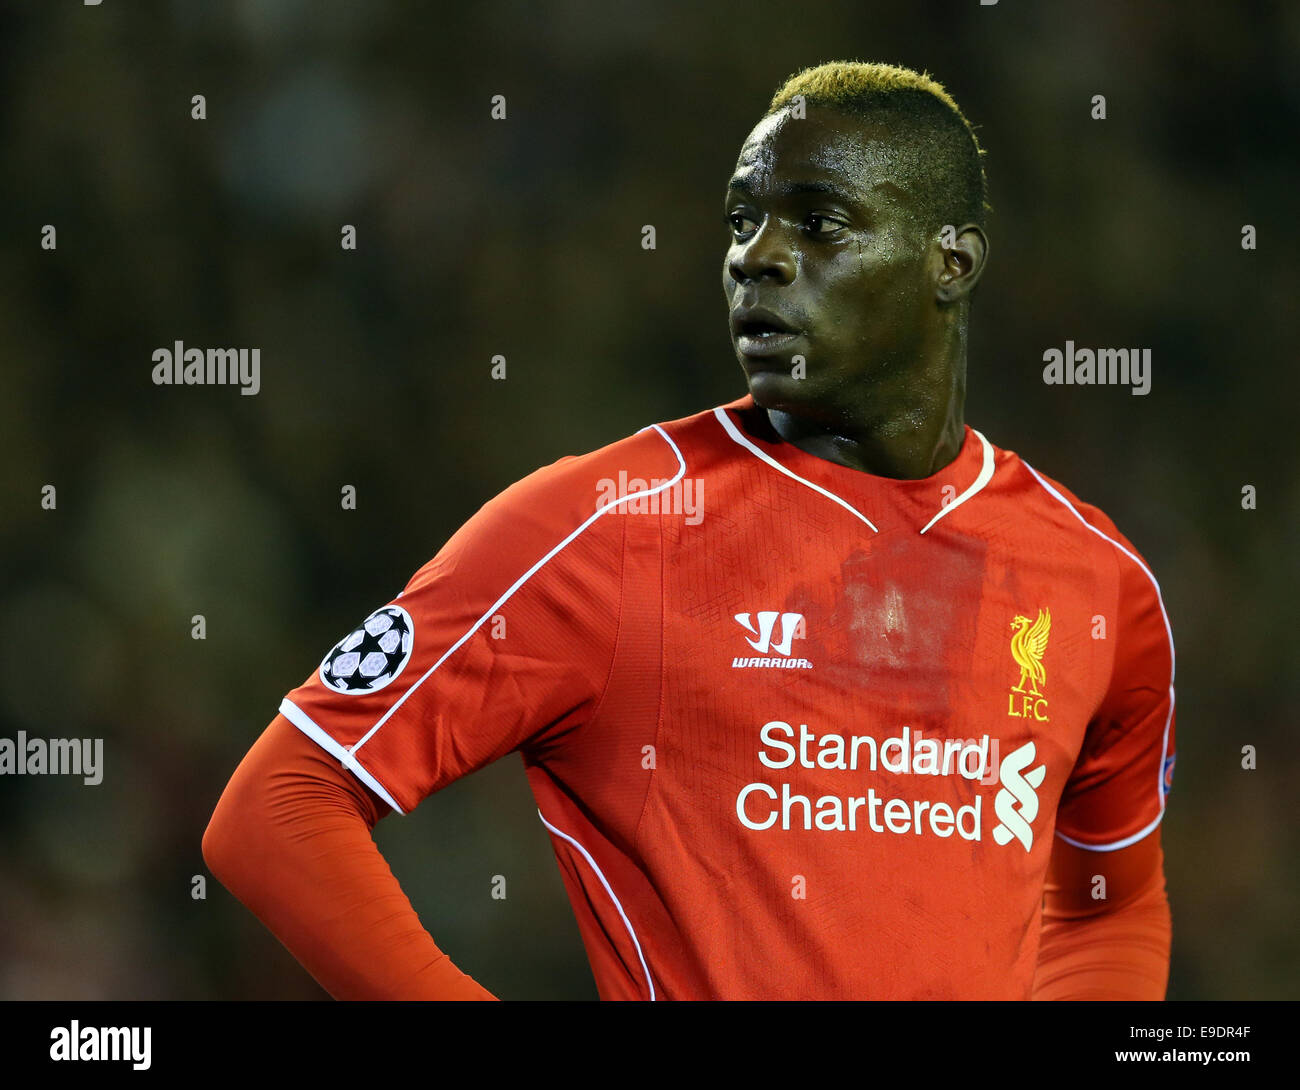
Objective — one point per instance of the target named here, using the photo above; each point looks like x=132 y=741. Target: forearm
x=1122 y=954
x=291 y=839
x=1115 y=947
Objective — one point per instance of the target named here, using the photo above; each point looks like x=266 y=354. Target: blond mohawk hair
x=945 y=166
x=837 y=81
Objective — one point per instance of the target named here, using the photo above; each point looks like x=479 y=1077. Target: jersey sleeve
x=1117 y=790
x=504 y=640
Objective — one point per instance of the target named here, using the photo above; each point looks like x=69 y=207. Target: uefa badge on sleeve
x=372 y=654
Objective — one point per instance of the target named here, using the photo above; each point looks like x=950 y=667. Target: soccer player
x=821 y=695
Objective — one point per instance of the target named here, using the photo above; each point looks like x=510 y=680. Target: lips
x=759 y=322
x=775 y=345
x=761 y=333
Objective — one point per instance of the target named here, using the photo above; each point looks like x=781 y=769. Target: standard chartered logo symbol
x=1018 y=789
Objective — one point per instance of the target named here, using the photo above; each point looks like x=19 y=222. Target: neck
x=907 y=426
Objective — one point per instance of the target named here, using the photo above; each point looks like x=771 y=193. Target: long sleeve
x=291 y=839
x=1114 y=946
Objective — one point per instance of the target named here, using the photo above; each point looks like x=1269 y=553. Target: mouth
x=770 y=343
x=762 y=333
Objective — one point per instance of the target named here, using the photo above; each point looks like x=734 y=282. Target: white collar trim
x=734 y=432
x=985 y=473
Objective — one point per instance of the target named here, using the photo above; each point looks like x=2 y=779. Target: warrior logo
x=776 y=653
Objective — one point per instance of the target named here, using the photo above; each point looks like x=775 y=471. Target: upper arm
x=1082 y=883
x=1115 y=796
x=504 y=639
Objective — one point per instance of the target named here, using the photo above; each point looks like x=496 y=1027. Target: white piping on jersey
x=732 y=430
x=492 y=609
x=1114 y=847
x=626 y=923
x=307 y=725
x=985 y=475
x=1169 y=632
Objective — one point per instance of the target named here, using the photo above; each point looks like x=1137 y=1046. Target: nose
x=765 y=254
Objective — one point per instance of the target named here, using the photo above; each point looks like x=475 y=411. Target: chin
x=778 y=390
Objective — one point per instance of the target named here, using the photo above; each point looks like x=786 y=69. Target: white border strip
x=304 y=723
x=1164 y=751
x=524 y=579
x=626 y=923
x=985 y=475
x=1119 y=843
x=732 y=431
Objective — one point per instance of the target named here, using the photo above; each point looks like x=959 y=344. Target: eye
x=737 y=220
x=817 y=220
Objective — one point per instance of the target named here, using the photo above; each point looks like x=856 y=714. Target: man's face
x=824 y=240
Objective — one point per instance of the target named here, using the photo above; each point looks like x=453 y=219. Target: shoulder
x=1059 y=513
x=1053 y=505
x=655 y=457
x=560 y=506
x=576 y=486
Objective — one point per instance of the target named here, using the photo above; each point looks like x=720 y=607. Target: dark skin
x=825 y=234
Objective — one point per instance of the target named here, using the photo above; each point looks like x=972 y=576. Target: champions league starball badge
x=372 y=654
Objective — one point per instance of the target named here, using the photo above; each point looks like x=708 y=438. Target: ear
x=963 y=253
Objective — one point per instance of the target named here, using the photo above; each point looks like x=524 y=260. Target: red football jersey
x=797 y=731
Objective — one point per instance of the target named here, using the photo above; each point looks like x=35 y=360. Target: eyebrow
x=740 y=184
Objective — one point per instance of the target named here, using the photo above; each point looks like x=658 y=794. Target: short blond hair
x=945 y=166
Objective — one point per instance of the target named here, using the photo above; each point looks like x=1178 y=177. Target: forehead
x=824 y=146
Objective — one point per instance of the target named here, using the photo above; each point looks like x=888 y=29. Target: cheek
x=854 y=284
x=888 y=273
x=866 y=297
x=729 y=284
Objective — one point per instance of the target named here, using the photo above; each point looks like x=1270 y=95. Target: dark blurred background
x=522 y=238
